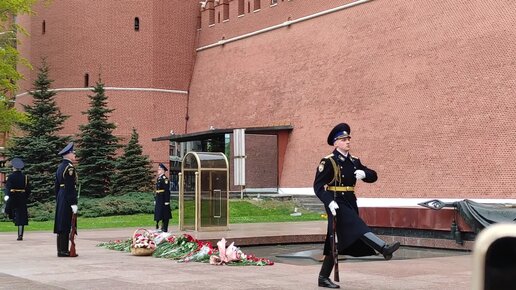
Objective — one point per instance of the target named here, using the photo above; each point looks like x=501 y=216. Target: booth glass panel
x=212 y=160
x=190 y=162
x=189 y=200
x=214 y=209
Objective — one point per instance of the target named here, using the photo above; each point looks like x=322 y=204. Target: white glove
x=154 y=202
x=359 y=174
x=6 y=198
x=333 y=206
x=74 y=208
x=167 y=203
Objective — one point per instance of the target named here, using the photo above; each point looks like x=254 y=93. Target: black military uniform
x=335 y=181
x=66 y=197
x=17 y=192
x=162 y=211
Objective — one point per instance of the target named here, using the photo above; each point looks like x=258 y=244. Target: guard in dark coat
x=334 y=184
x=162 y=211
x=66 y=199
x=16 y=195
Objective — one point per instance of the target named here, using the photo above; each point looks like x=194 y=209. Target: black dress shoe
x=389 y=249
x=63 y=254
x=20 y=238
x=326 y=282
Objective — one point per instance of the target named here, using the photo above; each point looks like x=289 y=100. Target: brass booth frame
x=209 y=189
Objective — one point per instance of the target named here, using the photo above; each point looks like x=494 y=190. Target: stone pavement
x=33 y=264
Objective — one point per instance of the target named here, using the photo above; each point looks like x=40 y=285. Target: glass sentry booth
x=204 y=192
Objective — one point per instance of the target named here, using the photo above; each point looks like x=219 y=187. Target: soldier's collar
x=341 y=155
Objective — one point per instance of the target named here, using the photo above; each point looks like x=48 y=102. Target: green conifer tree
x=96 y=147
x=134 y=170
x=40 y=143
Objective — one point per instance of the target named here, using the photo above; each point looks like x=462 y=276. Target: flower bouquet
x=143 y=243
x=177 y=248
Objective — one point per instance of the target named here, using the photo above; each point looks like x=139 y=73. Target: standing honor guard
x=334 y=184
x=17 y=191
x=162 y=210
x=66 y=199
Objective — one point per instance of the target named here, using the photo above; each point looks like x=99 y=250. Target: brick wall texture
x=427 y=86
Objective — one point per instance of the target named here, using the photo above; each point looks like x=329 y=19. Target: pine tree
x=134 y=170
x=39 y=146
x=96 y=146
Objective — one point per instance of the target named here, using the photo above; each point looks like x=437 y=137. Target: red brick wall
x=267 y=16
x=426 y=86
x=151 y=113
x=98 y=37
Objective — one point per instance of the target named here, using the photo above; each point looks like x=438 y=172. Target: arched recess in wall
x=241 y=7
x=211 y=11
x=225 y=9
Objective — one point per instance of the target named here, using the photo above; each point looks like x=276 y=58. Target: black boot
x=379 y=245
x=58 y=243
x=20 y=233
x=164 y=226
x=326 y=282
x=63 y=246
x=324 y=274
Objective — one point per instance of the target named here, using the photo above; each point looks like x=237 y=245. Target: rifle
x=335 y=250
x=73 y=232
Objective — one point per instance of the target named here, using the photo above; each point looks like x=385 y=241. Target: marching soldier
x=334 y=184
x=17 y=191
x=66 y=199
x=162 y=210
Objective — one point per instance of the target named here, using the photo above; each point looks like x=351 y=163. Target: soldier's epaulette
x=354 y=157
x=329 y=156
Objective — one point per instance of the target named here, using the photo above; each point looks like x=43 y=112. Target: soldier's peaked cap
x=17 y=163
x=342 y=130
x=67 y=149
x=162 y=166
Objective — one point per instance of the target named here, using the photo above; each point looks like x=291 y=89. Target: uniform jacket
x=17 y=187
x=162 y=211
x=338 y=170
x=66 y=196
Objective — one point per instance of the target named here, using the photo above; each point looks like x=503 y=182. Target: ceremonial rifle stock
x=73 y=232
x=335 y=248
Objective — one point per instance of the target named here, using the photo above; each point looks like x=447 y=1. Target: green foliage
x=9 y=55
x=97 y=146
x=133 y=169
x=39 y=146
x=9 y=116
x=130 y=203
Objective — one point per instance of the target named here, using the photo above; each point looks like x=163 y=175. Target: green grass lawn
x=241 y=211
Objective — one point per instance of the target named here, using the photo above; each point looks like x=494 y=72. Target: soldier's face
x=71 y=156
x=343 y=144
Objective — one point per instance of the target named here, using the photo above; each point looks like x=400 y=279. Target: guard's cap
x=67 y=149
x=342 y=130
x=17 y=163
x=162 y=166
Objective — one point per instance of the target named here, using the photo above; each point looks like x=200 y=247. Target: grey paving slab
x=33 y=264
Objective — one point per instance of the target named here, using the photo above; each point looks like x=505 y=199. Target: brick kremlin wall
x=426 y=86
